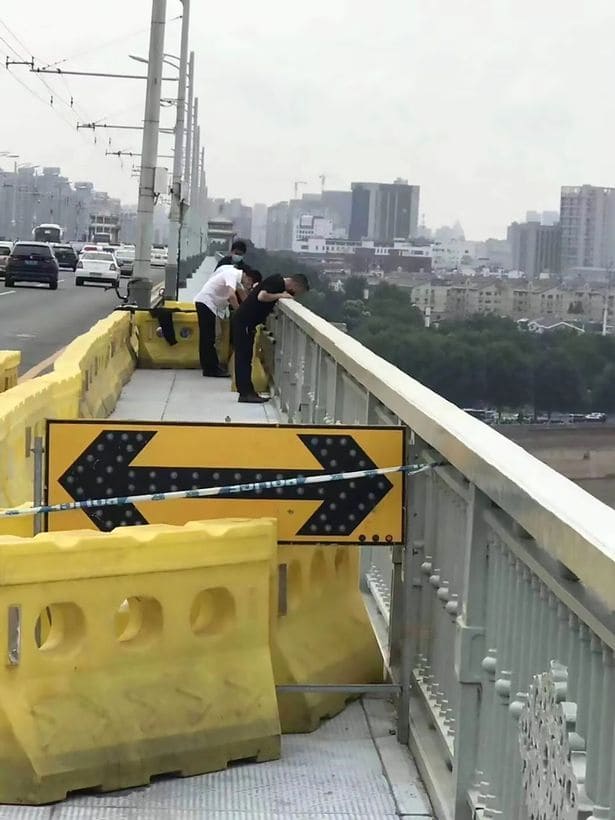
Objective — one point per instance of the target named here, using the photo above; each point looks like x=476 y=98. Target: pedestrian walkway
x=349 y=769
x=186 y=395
x=194 y=284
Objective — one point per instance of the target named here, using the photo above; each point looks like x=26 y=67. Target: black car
x=32 y=262
x=66 y=256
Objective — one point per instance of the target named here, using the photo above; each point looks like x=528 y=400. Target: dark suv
x=32 y=262
x=66 y=256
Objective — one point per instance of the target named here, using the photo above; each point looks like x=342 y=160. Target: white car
x=5 y=252
x=97 y=266
x=159 y=257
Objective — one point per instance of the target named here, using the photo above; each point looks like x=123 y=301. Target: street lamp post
x=149 y=150
x=175 y=214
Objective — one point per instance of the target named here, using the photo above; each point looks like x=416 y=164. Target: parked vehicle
x=32 y=262
x=97 y=266
x=5 y=252
x=576 y=418
x=66 y=256
x=596 y=417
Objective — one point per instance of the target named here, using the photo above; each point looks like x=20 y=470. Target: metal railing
x=499 y=611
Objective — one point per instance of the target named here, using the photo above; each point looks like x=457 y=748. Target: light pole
x=149 y=150
x=186 y=227
x=175 y=214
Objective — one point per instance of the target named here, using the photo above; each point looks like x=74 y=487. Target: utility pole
x=194 y=182
x=149 y=150
x=175 y=215
x=186 y=226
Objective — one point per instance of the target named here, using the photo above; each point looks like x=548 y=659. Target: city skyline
x=484 y=133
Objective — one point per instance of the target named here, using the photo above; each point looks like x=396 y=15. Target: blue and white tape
x=213 y=492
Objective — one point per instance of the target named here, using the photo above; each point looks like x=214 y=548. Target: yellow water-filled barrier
x=320 y=631
x=86 y=381
x=9 y=369
x=156 y=352
x=135 y=653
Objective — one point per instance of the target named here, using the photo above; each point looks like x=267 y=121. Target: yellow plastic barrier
x=135 y=653
x=156 y=352
x=322 y=633
x=86 y=382
x=9 y=369
x=260 y=379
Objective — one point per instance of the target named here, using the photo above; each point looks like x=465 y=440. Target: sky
x=489 y=105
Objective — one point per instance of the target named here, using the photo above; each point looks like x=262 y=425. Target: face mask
x=235 y=258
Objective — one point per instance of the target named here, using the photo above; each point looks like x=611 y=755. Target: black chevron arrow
x=104 y=470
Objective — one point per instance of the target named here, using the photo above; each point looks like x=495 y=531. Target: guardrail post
x=470 y=650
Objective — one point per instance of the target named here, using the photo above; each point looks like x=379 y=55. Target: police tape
x=213 y=492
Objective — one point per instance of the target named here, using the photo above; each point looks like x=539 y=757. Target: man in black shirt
x=236 y=256
x=253 y=311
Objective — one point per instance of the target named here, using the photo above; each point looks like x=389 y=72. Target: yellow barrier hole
x=138 y=621
x=59 y=628
x=294 y=592
x=212 y=612
x=318 y=572
x=342 y=563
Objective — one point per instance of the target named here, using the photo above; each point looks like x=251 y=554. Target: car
x=5 y=252
x=126 y=259
x=32 y=262
x=159 y=257
x=594 y=417
x=576 y=418
x=97 y=266
x=89 y=247
x=66 y=256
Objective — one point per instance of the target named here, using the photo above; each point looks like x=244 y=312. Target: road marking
x=6 y=292
x=38 y=368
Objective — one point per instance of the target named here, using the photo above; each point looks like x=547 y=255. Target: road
x=40 y=322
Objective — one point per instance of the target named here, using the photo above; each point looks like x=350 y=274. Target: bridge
x=493 y=616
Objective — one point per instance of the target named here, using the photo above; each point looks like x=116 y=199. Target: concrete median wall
x=9 y=369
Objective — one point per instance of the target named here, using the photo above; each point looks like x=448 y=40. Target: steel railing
x=499 y=611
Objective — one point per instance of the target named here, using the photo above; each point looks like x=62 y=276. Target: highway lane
x=38 y=321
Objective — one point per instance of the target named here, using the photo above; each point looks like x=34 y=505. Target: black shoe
x=216 y=374
x=252 y=398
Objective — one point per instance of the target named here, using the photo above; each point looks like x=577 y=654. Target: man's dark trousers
x=207 y=339
x=243 y=343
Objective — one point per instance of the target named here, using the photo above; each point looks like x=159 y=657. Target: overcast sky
x=488 y=105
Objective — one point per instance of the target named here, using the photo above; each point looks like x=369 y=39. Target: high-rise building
x=384 y=211
x=587 y=218
x=535 y=248
x=259 y=225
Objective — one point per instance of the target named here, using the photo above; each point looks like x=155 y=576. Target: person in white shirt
x=212 y=301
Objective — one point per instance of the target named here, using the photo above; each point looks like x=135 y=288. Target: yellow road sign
x=97 y=460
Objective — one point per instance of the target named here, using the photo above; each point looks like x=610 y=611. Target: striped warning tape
x=210 y=492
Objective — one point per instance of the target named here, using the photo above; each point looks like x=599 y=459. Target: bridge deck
x=351 y=767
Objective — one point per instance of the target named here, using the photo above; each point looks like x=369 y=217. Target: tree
x=354 y=287
x=507 y=375
x=353 y=313
x=603 y=394
x=557 y=382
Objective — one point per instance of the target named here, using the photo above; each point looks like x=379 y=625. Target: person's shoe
x=216 y=374
x=252 y=398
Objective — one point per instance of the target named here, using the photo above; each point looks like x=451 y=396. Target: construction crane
x=298 y=182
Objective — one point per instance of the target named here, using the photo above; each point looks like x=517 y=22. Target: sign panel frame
x=110 y=458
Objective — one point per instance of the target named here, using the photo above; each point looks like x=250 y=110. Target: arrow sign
x=125 y=460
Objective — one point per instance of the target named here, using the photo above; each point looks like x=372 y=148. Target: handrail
x=572 y=526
